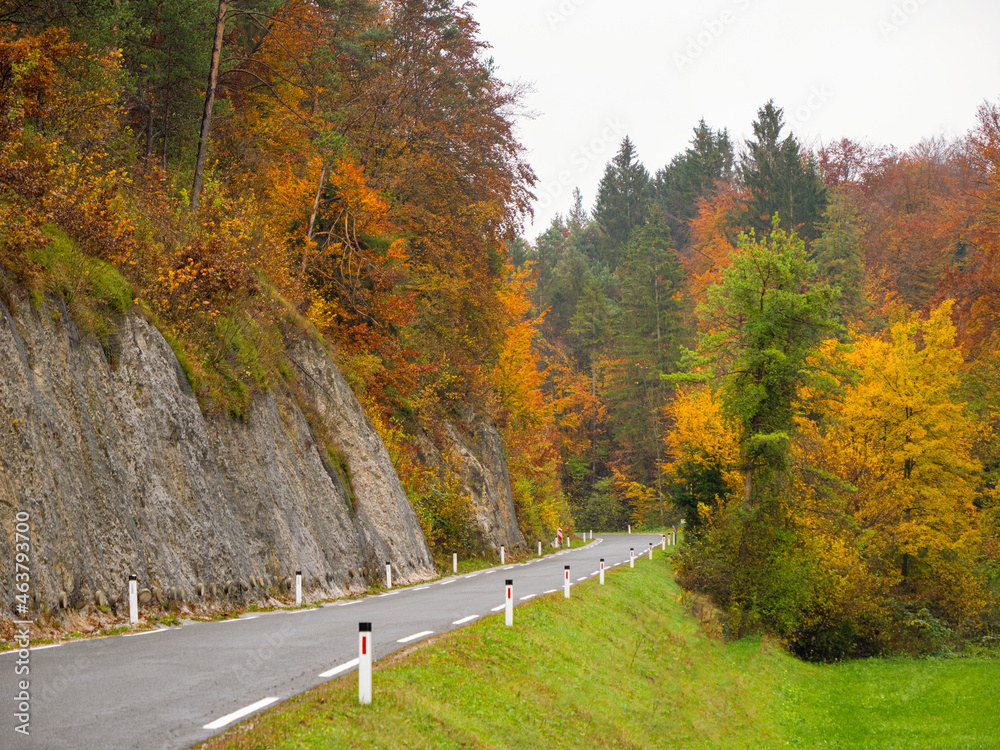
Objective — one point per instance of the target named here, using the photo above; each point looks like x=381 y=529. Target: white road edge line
x=238 y=619
x=421 y=588
x=342 y=668
x=389 y=593
x=529 y=596
x=414 y=637
x=301 y=611
x=550 y=591
x=464 y=620
x=497 y=609
x=583 y=578
x=230 y=718
x=132 y=635
x=445 y=583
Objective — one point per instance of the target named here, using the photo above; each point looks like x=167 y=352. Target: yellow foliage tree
x=886 y=478
x=700 y=441
x=526 y=414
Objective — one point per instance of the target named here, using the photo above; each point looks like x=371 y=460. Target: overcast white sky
x=886 y=71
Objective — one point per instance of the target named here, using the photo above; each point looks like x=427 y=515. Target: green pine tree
x=766 y=315
x=646 y=346
x=780 y=178
x=837 y=253
x=623 y=199
x=691 y=176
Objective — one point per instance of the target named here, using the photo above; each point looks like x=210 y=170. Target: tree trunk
x=312 y=221
x=206 y=117
x=166 y=109
x=149 y=134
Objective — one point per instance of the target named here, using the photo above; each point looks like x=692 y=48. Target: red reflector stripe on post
x=364 y=645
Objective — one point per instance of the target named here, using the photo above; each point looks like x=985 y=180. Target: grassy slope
x=626 y=666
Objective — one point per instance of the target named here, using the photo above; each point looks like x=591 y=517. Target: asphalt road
x=174 y=687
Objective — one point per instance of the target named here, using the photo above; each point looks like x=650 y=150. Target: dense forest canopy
x=794 y=351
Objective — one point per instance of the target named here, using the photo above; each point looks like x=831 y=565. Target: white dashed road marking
x=230 y=718
x=342 y=668
x=414 y=637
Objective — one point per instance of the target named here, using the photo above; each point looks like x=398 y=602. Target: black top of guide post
x=510 y=581
x=567 y=567
x=364 y=627
x=298 y=572
x=132 y=577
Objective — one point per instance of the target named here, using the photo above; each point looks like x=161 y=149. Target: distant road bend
x=174 y=687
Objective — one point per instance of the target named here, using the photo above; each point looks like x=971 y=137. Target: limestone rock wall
x=477 y=449
x=121 y=473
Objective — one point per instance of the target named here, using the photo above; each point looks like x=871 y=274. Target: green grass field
x=626 y=665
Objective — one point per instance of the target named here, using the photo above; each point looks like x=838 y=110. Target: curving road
x=174 y=687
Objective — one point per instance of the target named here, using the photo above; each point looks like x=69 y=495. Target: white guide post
x=133 y=599
x=298 y=587
x=364 y=663
x=454 y=562
x=631 y=557
x=602 y=571
x=501 y=556
x=509 y=614
x=388 y=574
x=539 y=547
x=566 y=583
x=630 y=528
x=663 y=543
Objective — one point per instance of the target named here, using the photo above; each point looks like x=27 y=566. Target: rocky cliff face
x=478 y=452
x=121 y=473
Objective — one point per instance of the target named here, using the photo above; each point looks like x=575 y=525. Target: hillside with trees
x=240 y=169
x=794 y=351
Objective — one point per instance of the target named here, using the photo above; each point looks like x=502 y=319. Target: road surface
x=174 y=687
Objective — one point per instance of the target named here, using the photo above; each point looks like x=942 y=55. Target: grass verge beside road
x=626 y=665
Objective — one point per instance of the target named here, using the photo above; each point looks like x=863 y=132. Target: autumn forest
x=793 y=349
